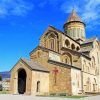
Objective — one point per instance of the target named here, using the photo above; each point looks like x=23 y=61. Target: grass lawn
x=75 y=97
x=4 y=92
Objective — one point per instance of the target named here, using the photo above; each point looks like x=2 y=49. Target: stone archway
x=21 y=81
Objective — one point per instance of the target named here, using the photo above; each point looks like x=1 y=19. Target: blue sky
x=22 y=22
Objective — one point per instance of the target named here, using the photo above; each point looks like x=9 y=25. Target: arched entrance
x=21 y=81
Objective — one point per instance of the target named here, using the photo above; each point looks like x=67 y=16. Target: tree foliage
x=0 y=78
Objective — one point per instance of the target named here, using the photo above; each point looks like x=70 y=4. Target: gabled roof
x=83 y=50
x=33 y=65
x=89 y=40
x=84 y=43
x=74 y=17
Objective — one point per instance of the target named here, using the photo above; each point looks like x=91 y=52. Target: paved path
x=24 y=97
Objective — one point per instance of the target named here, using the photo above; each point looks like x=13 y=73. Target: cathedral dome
x=74 y=17
x=74 y=26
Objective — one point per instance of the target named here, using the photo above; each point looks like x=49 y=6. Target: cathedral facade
x=63 y=62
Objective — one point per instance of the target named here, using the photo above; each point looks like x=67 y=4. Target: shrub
x=62 y=94
x=0 y=78
x=52 y=94
x=1 y=87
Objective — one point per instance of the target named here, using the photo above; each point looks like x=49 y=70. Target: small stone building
x=63 y=62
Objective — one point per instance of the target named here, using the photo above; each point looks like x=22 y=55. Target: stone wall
x=63 y=78
x=43 y=78
x=14 y=78
x=76 y=81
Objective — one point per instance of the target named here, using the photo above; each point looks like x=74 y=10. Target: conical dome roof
x=74 y=26
x=74 y=17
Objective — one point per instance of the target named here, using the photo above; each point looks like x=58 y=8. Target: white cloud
x=89 y=10
x=14 y=7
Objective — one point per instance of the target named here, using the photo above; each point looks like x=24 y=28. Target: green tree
x=0 y=78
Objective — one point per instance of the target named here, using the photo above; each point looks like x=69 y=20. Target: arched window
x=88 y=69
x=71 y=33
x=95 y=81
x=83 y=34
x=52 y=44
x=95 y=85
x=67 y=58
x=68 y=31
x=93 y=62
x=52 y=41
x=77 y=48
x=97 y=71
x=84 y=65
x=73 y=47
x=90 y=65
x=38 y=86
x=75 y=32
x=78 y=32
x=88 y=84
x=67 y=43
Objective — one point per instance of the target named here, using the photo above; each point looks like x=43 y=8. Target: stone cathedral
x=63 y=62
